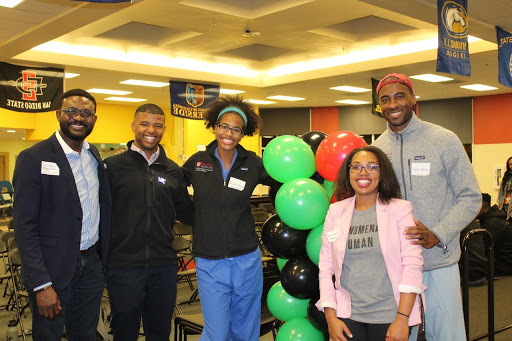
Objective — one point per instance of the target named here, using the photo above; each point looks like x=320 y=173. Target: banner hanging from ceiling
x=452 y=27
x=504 y=57
x=376 y=110
x=191 y=100
x=28 y=89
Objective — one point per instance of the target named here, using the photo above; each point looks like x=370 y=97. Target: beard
x=65 y=127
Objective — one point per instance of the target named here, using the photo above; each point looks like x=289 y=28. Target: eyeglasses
x=72 y=112
x=225 y=128
x=370 y=169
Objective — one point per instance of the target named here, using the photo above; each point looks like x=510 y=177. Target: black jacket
x=146 y=201
x=223 y=223
x=501 y=230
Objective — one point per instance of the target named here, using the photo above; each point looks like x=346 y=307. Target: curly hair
x=388 y=184
x=254 y=121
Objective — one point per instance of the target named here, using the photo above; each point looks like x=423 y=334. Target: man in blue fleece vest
x=436 y=176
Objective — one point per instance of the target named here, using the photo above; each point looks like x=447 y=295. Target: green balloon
x=283 y=305
x=299 y=329
x=314 y=243
x=281 y=262
x=329 y=187
x=288 y=157
x=302 y=203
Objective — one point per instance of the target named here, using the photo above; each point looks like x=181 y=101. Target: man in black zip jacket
x=148 y=195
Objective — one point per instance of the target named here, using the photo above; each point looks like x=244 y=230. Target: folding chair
x=18 y=290
x=267 y=206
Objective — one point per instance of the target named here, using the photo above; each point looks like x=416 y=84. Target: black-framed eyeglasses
x=223 y=127
x=370 y=169
x=72 y=112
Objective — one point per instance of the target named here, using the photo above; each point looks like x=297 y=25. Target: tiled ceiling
x=258 y=36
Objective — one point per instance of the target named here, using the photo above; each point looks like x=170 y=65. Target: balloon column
x=294 y=234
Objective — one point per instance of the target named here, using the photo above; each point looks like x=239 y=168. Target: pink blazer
x=404 y=262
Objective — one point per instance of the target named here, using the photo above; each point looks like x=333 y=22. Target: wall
x=288 y=121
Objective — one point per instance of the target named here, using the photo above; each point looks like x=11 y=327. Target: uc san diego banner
x=452 y=26
x=504 y=57
x=191 y=100
x=28 y=89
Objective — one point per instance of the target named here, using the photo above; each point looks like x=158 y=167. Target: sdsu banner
x=452 y=26
x=27 y=89
x=376 y=110
x=504 y=57
x=191 y=100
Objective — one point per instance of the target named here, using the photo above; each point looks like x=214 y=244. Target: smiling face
x=148 y=129
x=76 y=129
x=396 y=102
x=365 y=185
x=227 y=141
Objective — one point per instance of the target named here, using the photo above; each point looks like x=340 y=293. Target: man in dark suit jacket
x=62 y=224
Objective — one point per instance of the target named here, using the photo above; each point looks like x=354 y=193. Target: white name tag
x=420 y=169
x=236 y=184
x=332 y=236
x=49 y=168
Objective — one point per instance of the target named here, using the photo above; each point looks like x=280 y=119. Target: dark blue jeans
x=80 y=302
x=142 y=292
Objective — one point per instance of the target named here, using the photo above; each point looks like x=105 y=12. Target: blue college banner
x=191 y=100
x=504 y=57
x=452 y=26
x=28 y=89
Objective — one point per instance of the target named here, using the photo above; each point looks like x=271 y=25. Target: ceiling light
x=428 y=77
x=258 y=101
x=350 y=88
x=352 y=101
x=10 y=3
x=478 y=87
x=286 y=98
x=22 y=138
x=126 y=99
x=145 y=83
x=11 y=131
x=71 y=75
x=230 y=92
x=109 y=92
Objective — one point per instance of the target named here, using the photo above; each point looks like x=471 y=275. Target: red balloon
x=333 y=150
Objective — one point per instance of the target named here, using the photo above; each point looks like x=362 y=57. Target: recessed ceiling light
x=350 y=88
x=352 y=101
x=286 y=98
x=126 y=99
x=10 y=3
x=109 y=92
x=11 y=131
x=478 y=87
x=145 y=83
x=259 y=101
x=428 y=77
x=230 y=92
x=71 y=75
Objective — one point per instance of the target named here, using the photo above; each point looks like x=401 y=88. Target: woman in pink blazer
x=370 y=275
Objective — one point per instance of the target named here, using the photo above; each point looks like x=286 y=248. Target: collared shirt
x=85 y=171
x=225 y=171
x=153 y=157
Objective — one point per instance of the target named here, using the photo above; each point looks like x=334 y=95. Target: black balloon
x=313 y=138
x=283 y=241
x=317 y=317
x=299 y=277
x=318 y=178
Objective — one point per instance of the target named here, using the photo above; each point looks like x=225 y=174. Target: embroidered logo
x=161 y=180
x=244 y=168
x=419 y=157
x=204 y=167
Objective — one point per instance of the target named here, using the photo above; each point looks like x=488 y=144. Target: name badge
x=420 y=169
x=332 y=236
x=236 y=184
x=49 y=168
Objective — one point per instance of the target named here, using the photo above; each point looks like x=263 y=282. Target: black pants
x=142 y=292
